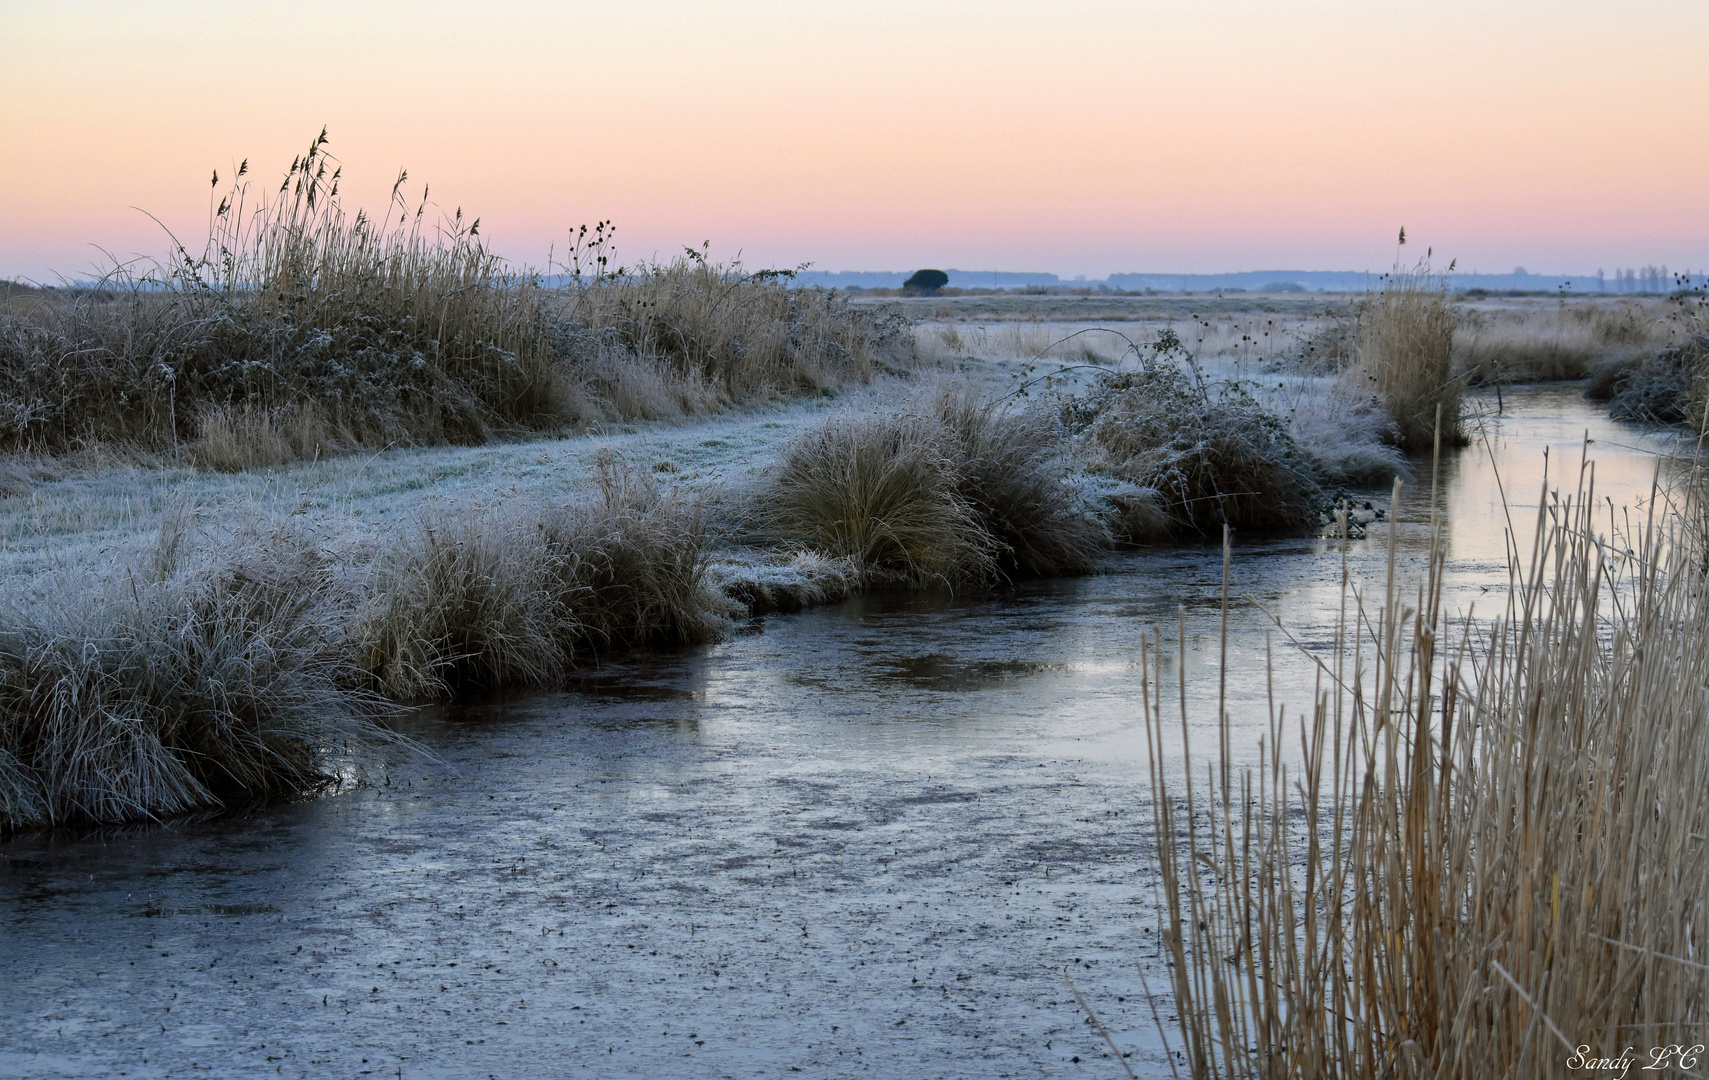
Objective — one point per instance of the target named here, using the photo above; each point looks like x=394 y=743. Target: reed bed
x=1561 y=342
x=716 y=335
x=1405 y=356
x=1489 y=860
x=300 y=330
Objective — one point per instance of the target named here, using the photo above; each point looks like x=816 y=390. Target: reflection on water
x=866 y=837
x=1051 y=663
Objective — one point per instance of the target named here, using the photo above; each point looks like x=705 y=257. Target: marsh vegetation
x=300 y=330
x=956 y=474
x=537 y=474
x=1485 y=855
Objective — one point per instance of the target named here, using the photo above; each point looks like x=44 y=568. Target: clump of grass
x=232 y=438
x=953 y=488
x=1214 y=458
x=515 y=598
x=786 y=582
x=1011 y=468
x=1405 y=355
x=180 y=691
x=1491 y=854
x=883 y=492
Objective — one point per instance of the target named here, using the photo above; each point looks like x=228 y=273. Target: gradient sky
x=1080 y=138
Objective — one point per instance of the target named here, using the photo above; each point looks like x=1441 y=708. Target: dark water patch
x=943 y=672
x=233 y=910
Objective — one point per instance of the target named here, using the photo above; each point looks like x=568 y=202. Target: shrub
x=925 y=283
x=1350 y=440
x=1213 y=458
x=1663 y=387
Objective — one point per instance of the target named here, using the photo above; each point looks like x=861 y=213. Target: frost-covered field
x=96 y=517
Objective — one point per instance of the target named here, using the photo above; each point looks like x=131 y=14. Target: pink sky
x=1087 y=138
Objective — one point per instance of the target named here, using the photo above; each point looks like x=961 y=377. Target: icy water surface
x=862 y=841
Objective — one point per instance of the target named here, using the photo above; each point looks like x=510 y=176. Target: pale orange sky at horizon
x=1103 y=137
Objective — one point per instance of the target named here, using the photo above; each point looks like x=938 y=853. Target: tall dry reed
x=1489 y=860
x=1405 y=355
x=396 y=331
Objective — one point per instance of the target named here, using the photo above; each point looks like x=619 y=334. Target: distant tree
x=925 y=283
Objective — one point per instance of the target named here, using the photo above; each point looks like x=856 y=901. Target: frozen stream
x=864 y=840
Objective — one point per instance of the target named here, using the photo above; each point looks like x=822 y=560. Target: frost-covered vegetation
x=301 y=331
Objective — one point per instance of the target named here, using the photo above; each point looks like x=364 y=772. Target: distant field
x=1060 y=308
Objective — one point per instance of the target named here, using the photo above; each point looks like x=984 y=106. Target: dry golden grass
x=1564 y=341
x=1492 y=852
x=883 y=492
x=715 y=334
x=231 y=438
x=953 y=488
x=1405 y=355
x=1012 y=468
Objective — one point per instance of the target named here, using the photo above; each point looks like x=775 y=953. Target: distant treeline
x=1649 y=279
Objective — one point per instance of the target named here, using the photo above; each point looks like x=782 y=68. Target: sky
x=1081 y=137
